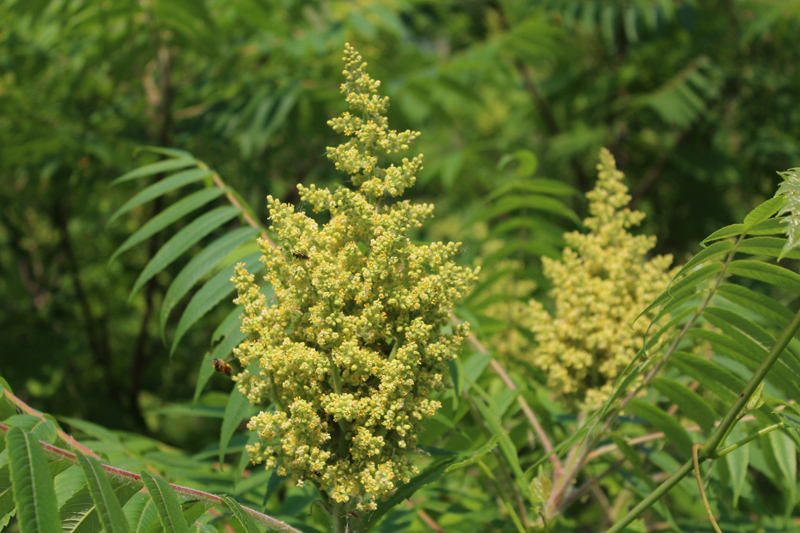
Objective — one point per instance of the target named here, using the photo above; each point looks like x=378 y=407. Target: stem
x=502 y=494
x=683 y=332
x=695 y=448
x=653 y=497
x=747 y=439
x=128 y=477
x=529 y=414
x=31 y=411
x=238 y=205
x=586 y=486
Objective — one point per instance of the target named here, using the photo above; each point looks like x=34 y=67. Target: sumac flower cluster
x=603 y=282
x=356 y=342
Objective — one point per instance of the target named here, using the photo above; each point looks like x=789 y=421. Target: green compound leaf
x=34 y=495
x=786 y=457
x=710 y=375
x=756 y=302
x=536 y=185
x=492 y=416
x=194 y=510
x=212 y=293
x=690 y=403
x=43 y=430
x=772 y=226
x=766 y=272
x=140 y=512
x=106 y=503
x=237 y=409
x=534 y=202
x=199 y=266
x=92 y=429
x=687 y=283
x=68 y=483
x=706 y=254
x=206 y=371
x=78 y=513
x=241 y=515
x=174 y=212
x=742 y=324
x=232 y=322
x=182 y=241
x=763 y=212
x=675 y=433
x=7 y=507
x=737 y=461
x=160 y=188
x=789 y=189
x=169 y=510
x=191 y=512
x=197 y=527
x=769 y=246
x=169 y=152
x=155 y=168
x=734 y=230
x=273 y=485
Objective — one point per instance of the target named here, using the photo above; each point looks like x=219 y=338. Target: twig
x=425 y=517
x=695 y=448
x=31 y=411
x=127 y=477
x=529 y=414
x=711 y=444
x=604 y=503
x=238 y=205
x=586 y=486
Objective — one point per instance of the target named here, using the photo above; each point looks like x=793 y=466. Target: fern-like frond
x=790 y=190
x=217 y=257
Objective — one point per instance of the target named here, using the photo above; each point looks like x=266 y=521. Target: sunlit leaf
x=182 y=241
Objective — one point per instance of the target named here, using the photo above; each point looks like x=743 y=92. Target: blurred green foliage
x=697 y=101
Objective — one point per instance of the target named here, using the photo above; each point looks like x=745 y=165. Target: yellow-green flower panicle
x=354 y=344
x=601 y=284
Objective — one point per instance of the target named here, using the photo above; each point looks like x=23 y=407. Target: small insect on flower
x=221 y=366
x=300 y=255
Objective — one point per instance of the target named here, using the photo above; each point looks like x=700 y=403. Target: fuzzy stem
x=31 y=411
x=339 y=517
x=129 y=477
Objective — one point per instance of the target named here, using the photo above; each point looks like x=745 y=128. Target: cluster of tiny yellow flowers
x=603 y=282
x=348 y=355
